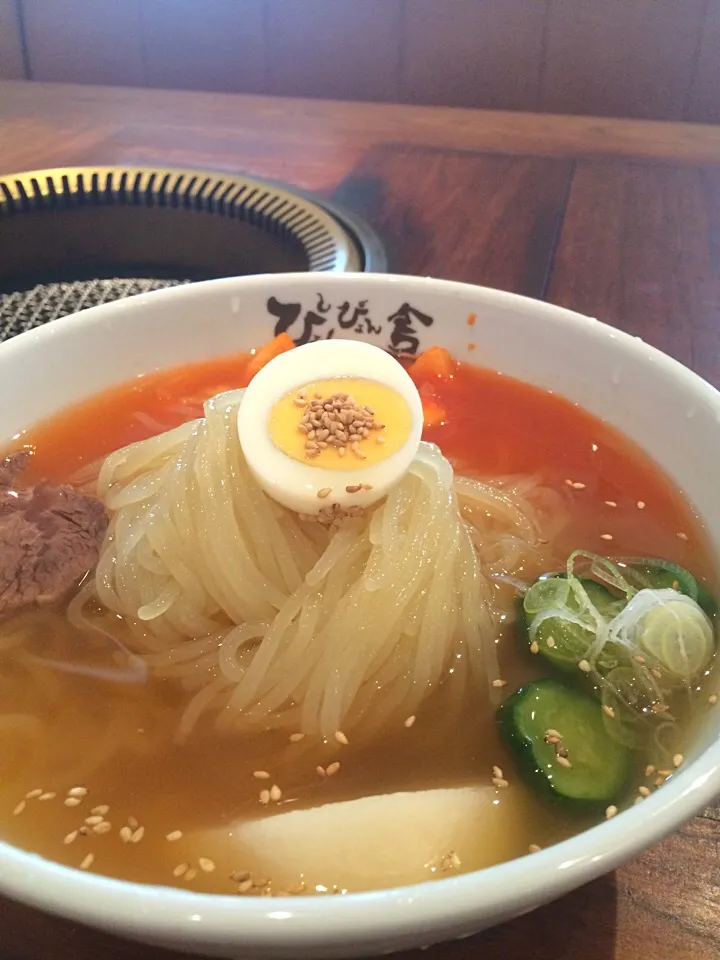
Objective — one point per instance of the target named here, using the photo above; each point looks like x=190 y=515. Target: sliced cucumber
x=563 y=641
x=600 y=767
x=662 y=575
x=607 y=603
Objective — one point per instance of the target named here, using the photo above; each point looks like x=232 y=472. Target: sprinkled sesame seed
x=353 y=488
x=551 y=642
x=610 y=503
x=713 y=698
x=245 y=885
x=333 y=768
x=552 y=732
x=638 y=800
x=87 y=862
x=181 y=869
x=665 y=773
x=102 y=810
x=275 y=793
x=19 y=808
x=608 y=711
x=341 y=738
x=190 y=874
x=47 y=796
x=578 y=486
x=641 y=504
x=499 y=683
x=678 y=760
x=265 y=797
x=584 y=665
x=409 y=721
x=174 y=835
x=296 y=737
x=206 y=864
x=682 y=536
x=640 y=660
x=534 y=848
x=568 y=482
x=656 y=673
x=133 y=823
x=497 y=772
x=126 y=834
x=500 y=783
x=104 y=827
x=138 y=834
x=320 y=771
x=643 y=791
x=325 y=492
x=78 y=792
x=659 y=781
x=659 y=707
x=94 y=820
x=261 y=775
x=72 y=801
x=34 y=794
x=237 y=876
x=611 y=812
x=649 y=770
x=606 y=536
x=70 y=837
x=563 y=761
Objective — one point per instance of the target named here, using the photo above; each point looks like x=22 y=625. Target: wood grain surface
x=12 y=65
x=475 y=217
x=633 y=58
x=618 y=219
x=620 y=58
x=222 y=45
x=472 y=54
x=84 y=41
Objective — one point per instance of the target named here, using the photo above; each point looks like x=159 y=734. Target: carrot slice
x=434 y=362
x=265 y=354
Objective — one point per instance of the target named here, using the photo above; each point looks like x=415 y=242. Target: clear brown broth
x=488 y=425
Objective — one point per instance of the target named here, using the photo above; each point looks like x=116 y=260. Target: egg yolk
x=340 y=424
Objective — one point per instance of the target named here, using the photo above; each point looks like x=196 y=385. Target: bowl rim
x=433 y=909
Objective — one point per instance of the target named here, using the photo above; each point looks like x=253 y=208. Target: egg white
x=294 y=484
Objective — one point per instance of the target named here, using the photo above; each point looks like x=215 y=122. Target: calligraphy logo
x=399 y=331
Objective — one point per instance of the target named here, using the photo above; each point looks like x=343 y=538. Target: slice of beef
x=50 y=537
x=12 y=466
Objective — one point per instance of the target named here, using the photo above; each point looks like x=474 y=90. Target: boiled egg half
x=330 y=426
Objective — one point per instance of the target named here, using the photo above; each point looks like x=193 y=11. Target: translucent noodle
x=275 y=621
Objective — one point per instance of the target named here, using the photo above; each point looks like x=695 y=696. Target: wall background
x=630 y=58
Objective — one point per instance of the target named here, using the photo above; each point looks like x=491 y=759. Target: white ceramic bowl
x=672 y=413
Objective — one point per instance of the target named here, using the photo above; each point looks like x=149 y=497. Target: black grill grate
x=24 y=310
x=73 y=238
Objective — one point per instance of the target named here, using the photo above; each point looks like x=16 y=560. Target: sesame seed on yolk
x=390 y=414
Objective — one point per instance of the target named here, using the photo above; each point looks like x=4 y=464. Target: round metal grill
x=75 y=238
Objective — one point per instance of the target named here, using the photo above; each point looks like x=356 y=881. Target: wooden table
x=618 y=219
